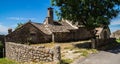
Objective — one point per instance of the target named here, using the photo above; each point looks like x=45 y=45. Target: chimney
x=49 y=18
x=50 y=13
x=9 y=30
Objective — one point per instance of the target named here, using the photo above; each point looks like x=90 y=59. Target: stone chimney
x=9 y=30
x=49 y=18
x=50 y=13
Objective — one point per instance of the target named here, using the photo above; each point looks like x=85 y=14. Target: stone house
x=103 y=32
x=116 y=34
x=103 y=35
x=52 y=31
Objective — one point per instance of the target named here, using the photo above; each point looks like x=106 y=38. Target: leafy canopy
x=91 y=13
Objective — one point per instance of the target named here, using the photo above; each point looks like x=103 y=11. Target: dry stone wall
x=26 y=53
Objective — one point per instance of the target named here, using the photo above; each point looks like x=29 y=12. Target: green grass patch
x=71 y=48
x=6 y=61
x=86 y=52
x=66 y=61
x=94 y=50
x=83 y=52
x=118 y=40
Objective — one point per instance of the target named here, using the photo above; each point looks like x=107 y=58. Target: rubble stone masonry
x=26 y=53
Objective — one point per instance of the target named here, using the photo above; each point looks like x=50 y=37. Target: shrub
x=1 y=45
x=1 y=49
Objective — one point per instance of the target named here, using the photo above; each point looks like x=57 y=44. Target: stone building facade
x=103 y=36
x=116 y=34
x=54 y=31
x=49 y=31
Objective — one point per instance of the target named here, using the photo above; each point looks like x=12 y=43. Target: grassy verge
x=118 y=40
x=6 y=61
x=66 y=61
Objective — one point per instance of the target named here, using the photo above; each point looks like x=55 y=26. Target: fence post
x=57 y=54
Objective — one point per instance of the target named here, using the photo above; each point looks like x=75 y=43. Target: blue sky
x=16 y=11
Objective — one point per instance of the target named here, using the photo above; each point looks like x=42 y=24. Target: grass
x=6 y=61
x=48 y=45
x=66 y=61
x=118 y=40
x=85 y=52
x=65 y=47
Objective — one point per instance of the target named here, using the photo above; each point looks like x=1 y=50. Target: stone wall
x=74 y=35
x=26 y=53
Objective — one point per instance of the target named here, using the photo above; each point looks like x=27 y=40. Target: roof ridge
x=71 y=24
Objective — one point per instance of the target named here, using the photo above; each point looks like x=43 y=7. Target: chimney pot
x=9 y=30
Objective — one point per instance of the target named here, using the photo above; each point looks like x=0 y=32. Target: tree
x=19 y=25
x=91 y=13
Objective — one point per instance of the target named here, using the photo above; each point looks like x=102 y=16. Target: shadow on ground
x=112 y=46
x=86 y=45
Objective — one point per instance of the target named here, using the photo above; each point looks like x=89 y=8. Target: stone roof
x=62 y=26
x=41 y=27
x=117 y=32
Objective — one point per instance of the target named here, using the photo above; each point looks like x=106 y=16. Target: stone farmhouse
x=116 y=34
x=53 y=31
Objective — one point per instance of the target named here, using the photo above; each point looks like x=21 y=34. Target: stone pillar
x=93 y=41
x=53 y=37
x=57 y=54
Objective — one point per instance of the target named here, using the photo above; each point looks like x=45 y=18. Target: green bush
x=1 y=49
x=1 y=45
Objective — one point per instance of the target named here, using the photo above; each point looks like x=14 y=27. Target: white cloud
x=115 y=21
x=20 y=18
x=3 y=29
